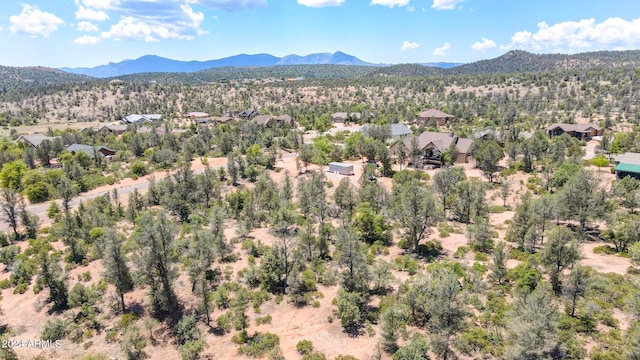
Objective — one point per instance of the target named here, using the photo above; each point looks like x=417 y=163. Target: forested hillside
x=216 y=236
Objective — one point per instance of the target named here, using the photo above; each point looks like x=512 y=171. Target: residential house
x=271 y=121
x=440 y=117
x=396 y=131
x=197 y=114
x=627 y=164
x=580 y=131
x=92 y=151
x=399 y=131
x=284 y=120
x=340 y=117
x=248 y=114
x=431 y=146
x=35 y=139
x=501 y=136
x=262 y=120
x=220 y=119
x=140 y=118
x=116 y=129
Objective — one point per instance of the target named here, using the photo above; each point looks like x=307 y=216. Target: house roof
x=433 y=113
x=248 y=113
x=197 y=114
x=630 y=168
x=262 y=119
x=628 y=158
x=573 y=127
x=35 y=139
x=339 y=115
x=115 y=127
x=440 y=141
x=137 y=118
x=221 y=118
x=400 y=129
x=88 y=149
x=284 y=117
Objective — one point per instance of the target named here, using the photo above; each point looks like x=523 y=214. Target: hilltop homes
x=441 y=118
x=140 y=118
x=431 y=146
x=92 y=151
x=396 y=131
x=35 y=139
x=272 y=121
x=340 y=117
x=579 y=131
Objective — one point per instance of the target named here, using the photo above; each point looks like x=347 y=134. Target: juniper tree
x=416 y=210
x=446 y=181
x=576 y=286
x=156 y=256
x=561 y=251
x=9 y=204
x=533 y=331
x=116 y=269
x=351 y=256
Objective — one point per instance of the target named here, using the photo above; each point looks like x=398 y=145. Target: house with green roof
x=628 y=164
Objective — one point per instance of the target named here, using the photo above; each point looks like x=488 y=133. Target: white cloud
x=445 y=4
x=483 y=45
x=443 y=50
x=178 y=26
x=409 y=45
x=86 y=26
x=390 y=3
x=100 y=4
x=87 y=40
x=320 y=3
x=582 y=35
x=34 y=22
x=89 y=14
x=231 y=5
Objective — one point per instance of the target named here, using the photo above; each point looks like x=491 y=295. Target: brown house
x=272 y=121
x=440 y=117
x=92 y=151
x=580 y=131
x=431 y=146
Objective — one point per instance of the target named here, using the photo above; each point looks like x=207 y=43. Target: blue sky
x=76 y=33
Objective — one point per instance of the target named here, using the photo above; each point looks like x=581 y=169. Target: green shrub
x=8 y=254
x=21 y=288
x=5 y=284
x=263 y=320
x=38 y=192
x=139 y=168
x=259 y=344
x=304 y=347
x=497 y=209
x=314 y=356
x=54 y=329
x=479 y=256
x=604 y=250
x=128 y=319
x=461 y=252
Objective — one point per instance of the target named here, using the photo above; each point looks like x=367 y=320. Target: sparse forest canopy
x=235 y=233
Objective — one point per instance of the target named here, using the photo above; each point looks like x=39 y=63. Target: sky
x=87 y=33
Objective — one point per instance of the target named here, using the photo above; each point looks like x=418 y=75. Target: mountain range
x=153 y=63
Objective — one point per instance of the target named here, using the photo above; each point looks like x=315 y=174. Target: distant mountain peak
x=155 y=63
